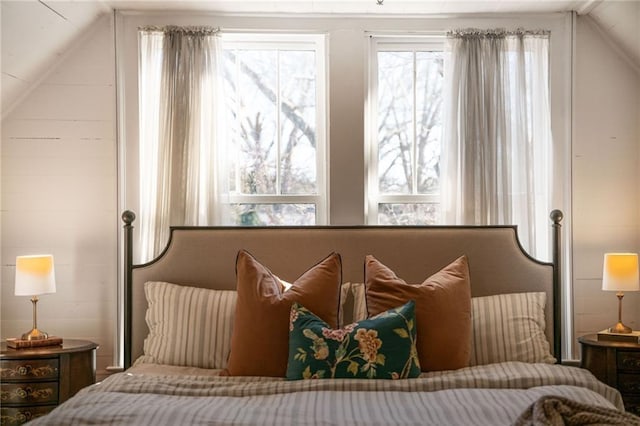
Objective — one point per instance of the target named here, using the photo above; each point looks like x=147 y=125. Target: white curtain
x=497 y=137
x=178 y=121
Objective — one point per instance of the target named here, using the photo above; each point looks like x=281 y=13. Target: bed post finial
x=557 y=216
x=127 y=217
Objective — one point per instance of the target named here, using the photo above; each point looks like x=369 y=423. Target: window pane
x=298 y=122
x=252 y=85
x=256 y=81
x=429 y=72
x=270 y=214
x=395 y=122
x=408 y=214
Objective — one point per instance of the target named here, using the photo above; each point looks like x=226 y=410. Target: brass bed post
x=128 y=217
x=557 y=216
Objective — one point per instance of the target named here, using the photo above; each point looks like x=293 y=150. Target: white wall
x=59 y=174
x=59 y=195
x=606 y=175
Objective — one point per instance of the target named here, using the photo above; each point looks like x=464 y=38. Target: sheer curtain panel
x=497 y=134
x=179 y=89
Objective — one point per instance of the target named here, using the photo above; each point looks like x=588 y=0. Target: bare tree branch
x=288 y=109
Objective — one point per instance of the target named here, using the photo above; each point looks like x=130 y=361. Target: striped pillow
x=509 y=327
x=353 y=306
x=359 y=302
x=188 y=326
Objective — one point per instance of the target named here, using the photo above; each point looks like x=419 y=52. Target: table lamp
x=620 y=274
x=34 y=276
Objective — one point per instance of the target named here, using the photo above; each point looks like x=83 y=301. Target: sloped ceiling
x=36 y=34
x=620 y=21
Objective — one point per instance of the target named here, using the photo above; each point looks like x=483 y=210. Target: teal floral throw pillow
x=381 y=347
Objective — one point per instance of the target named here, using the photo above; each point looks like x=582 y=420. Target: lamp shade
x=620 y=272
x=35 y=275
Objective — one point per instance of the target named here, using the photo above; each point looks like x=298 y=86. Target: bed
x=343 y=325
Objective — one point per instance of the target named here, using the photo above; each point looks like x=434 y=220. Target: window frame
x=301 y=41
x=381 y=43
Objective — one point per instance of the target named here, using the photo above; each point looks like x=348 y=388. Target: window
x=241 y=140
x=274 y=93
x=405 y=131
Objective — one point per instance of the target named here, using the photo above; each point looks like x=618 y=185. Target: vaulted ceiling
x=36 y=34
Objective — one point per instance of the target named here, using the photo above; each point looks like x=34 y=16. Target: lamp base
x=14 y=343
x=620 y=328
x=35 y=334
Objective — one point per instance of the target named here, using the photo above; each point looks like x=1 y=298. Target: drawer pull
x=632 y=363
x=631 y=388
x=28 y=370
x=17 y=419
x=20 y=415
x=26 y=393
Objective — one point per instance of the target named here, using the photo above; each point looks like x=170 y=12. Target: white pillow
x=509 y=327
x=188 y=326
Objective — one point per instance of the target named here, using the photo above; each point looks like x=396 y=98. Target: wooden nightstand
x=616 y=364
x=35 y=381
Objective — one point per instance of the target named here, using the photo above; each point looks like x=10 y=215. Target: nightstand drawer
x=29 y=393
x=632 y=404
x=19 y=415
x=22 y=369
x=629 y=383
x=628 y=361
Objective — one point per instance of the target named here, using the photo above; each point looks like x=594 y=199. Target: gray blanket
x=492 y=395
x=552 y=410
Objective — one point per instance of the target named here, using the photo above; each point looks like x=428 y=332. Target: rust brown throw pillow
x=260 y=339
x=443 y=310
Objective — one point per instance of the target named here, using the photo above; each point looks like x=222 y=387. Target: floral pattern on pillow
x=381 y=347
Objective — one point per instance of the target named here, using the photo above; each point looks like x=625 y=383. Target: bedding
x=443 y=309
x=510 y=304
x=509 y=327
x=188 y=326
x=495 y=394
x=557 y=410
x=359 y=301
x=383 y=346
x=259 y=340
x=506 y=327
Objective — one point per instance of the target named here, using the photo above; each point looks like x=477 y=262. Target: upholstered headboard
x=205 y=257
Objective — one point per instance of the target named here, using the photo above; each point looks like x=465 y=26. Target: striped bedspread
x=485 y=395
